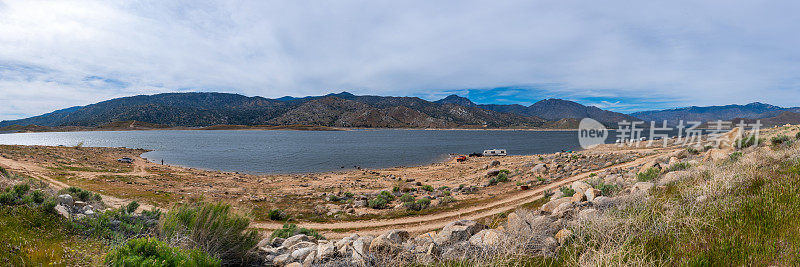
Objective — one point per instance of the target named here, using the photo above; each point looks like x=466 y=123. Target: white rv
x=494 y=152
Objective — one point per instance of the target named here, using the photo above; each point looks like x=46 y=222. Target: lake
x=306 y=151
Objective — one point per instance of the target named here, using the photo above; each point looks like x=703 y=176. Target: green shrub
x=418 y=205
x=214 y=228
x=735 y=156
x=131 y=208
x=749 y=141
x=446 y=200
x=692 y=151
x=348 y=195
x=37 y=196
x=492 y=181
x=505 y=171
x=797 y=136
x=648 y=175
x=290 y=229
x=396 y=189
x=377 y=203
x=446 y=193
x=276 y=215
x=780 y=139
x=8 y=198
x=540 y=179
x=502 y=177
x=407 y=198
x=116 y=225
x=152 y=252
x=427 y=187
x=386 y=195
x=21 y=189
x=568 y=192
x=608 y=190
x=334 y=198
x=80 y=194
x=679 y=166
x=3 y=172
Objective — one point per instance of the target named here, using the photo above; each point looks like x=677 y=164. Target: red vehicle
x=461 y=158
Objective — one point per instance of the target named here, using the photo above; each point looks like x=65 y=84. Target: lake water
x=307 y=151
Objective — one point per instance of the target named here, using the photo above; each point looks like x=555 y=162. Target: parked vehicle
x=461 y=158
x=494 y=152
x=125 y=160
x=476 y=154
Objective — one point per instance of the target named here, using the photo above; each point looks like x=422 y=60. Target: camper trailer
x=494 y=152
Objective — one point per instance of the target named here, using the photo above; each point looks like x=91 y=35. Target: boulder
x=309 y=260
x=362 y=244
x=300 y=245
x=672 y=177
x=291 y=241
x=539 y=168
x=562 y=209
x=277 y=242
x=578 y=197
x=346 y=241
x=320 y=209
x=487 y=238
x=492 y=172
x=425 y=238
x=302 y=253
x=553 y=204
x=294 y=264
x=63 y=211
x=601 y=201
x=326 y=251
x=458 y=231
x=389 y=243
x=359 y=203
x=591 y=194
x=580 y=186
x=494 y=163
x=66 y=200
x=641 y=187
x=282 y=260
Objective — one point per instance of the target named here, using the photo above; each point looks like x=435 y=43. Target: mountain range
x=349 y=110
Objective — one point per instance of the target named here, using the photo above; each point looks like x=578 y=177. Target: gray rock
x=326 y=251
x=539 y=168
x=291 y=241
x=282 y=260
x=66 y=200
x=294 y=264
x=602 y=201
x=303 y=252
x=346 y=241
x=487 y=238
x=309 y=259
x=587 y=214
x=277 y=242
x=389 y=243
x=458 y=231
x=63 y=211
x=300 y=245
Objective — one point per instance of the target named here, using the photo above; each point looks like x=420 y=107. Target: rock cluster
x=71 y=209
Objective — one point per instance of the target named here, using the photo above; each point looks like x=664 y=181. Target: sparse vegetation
x=213 y=228
x=780 y=139
x=678 y=166
x=290 y=229
x=648 y=175
x=568 y=192
x=152 y=252
x=277 y=215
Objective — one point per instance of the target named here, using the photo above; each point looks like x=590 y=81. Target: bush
x=418 y=205
x=276 y=215
x=540 y=179
x=502 y=177
x=492 y=181
x=8 y=198
x=117 y=225
x=692 y=151
x=3 y=172
x=446 y=200
x=21 y=189
x=152 y=252
x=377 y=203
x=749 y=141
x=648 y=175
x=131 y=208
x=214 y=228
x=37 y=197
x=568 y=192
x=780 y=139
x=386 y=195
x=679 y=166
x=797 y=136
x=427 y=187
x=608 y=190
x=407 y=198
x=80 y=194
x=735 y=156
x=290 y=229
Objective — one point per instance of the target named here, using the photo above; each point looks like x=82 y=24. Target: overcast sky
x=620 y=55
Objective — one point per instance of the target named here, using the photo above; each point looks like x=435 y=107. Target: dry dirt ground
x=161 y=186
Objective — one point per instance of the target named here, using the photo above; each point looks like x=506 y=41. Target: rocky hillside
x=753 y=110
x=552 y=110
x=343 y=110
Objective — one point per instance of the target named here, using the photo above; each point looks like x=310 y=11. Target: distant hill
x=341 y=110
x=553 y=110
x=753 y=110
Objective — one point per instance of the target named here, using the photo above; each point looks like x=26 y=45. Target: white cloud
x=697 y=53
